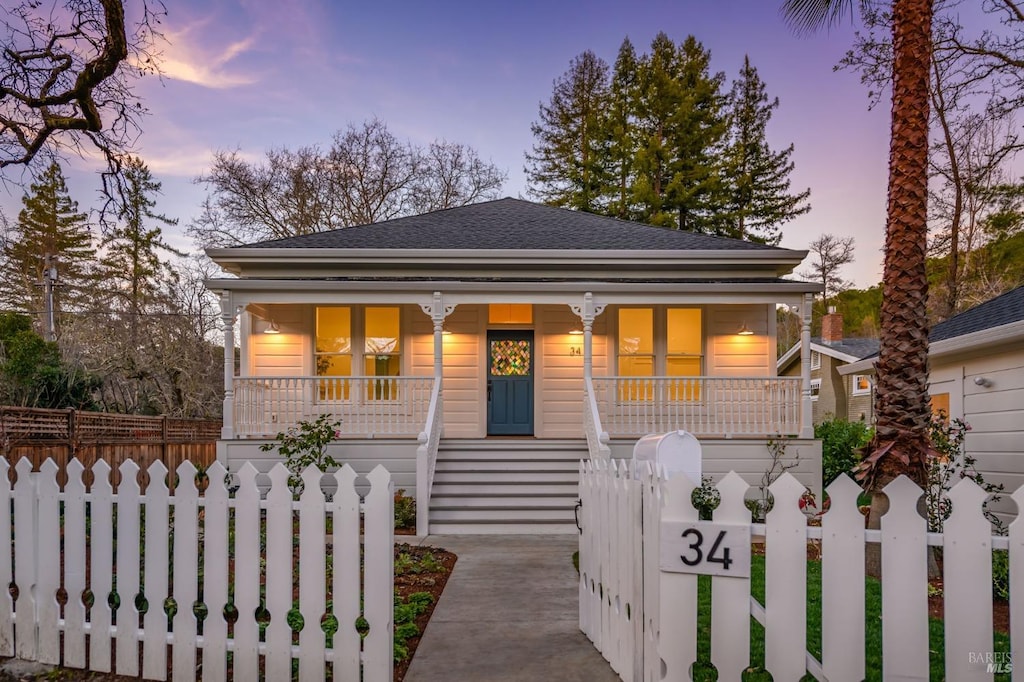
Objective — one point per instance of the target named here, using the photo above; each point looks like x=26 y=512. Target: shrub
x=840 y=442
x=306 y=444
x=405 y=510
x=949 y=462
x=1001 y=574
x=706 y=498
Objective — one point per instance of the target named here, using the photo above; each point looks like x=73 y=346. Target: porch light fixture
x=272 y=328
x=745 y=330
x=576 y=331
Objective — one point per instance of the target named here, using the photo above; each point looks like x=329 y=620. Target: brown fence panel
x=91 y=436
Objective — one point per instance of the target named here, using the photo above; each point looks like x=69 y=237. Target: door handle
x=490 y=388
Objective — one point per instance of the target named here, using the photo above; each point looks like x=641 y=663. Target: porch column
x=228 y=315
x=437 y=312
x=587 y=312
x=806 y=408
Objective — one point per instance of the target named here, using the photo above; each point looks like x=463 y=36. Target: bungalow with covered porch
x=479 y=352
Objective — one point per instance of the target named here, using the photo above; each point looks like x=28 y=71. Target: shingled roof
x=999 y=311
x=511 y=224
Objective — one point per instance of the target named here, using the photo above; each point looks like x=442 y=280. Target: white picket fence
x=208 y=546
x=644 y=620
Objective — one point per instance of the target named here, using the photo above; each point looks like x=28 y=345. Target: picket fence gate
x=155 y=546
x=644 y=620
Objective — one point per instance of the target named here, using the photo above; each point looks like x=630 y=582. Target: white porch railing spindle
x=368 y=407
x=705 y=406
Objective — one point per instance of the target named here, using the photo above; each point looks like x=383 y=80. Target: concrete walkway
x=508 y=613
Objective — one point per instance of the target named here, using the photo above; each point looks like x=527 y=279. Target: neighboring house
x=976 y=362
x=479 y=352
x=835 y=394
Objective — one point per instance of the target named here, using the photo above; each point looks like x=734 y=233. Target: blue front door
x=510 y=383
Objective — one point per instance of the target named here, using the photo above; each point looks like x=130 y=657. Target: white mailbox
x=677 y=451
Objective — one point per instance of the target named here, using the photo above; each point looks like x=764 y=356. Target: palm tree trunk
x=901 y=442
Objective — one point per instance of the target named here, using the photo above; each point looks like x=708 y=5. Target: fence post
x=72 y=432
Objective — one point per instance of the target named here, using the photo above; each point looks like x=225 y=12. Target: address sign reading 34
x=705 y=547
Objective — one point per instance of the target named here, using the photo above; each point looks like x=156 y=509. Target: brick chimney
x=832 y=327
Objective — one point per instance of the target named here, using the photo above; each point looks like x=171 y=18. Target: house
x=834 y=394
x=976 y=373
x=480 y=352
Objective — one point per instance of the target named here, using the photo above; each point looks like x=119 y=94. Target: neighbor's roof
x=999 y=311
x=511 y=224
x=847 y=350
x=987 y=325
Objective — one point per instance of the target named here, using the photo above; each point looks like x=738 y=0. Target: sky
x=249 y=75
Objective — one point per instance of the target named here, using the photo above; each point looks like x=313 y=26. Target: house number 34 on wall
x=705 y=547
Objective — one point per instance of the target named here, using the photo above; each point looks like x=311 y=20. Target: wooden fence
x=41 y=434
x=229 y=562
x=641 y=612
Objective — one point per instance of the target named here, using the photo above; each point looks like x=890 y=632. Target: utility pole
x=49 y=279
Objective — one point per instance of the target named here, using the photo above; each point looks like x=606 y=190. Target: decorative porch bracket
x=228 y=316
x=806 y=418
x=436 y=310
x=587 y=311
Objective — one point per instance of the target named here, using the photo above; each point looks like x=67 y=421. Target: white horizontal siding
x=731 y=355
x=281 y=354
x=560 y=381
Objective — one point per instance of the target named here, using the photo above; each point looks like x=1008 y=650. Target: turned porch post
x=228 y=315
x=587 y=312
x=806 y=408
x=437 y=311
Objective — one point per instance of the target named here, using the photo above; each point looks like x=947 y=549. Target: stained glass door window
x=510 y=357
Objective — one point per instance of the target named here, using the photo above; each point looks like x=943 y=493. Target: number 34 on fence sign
x=705 y=547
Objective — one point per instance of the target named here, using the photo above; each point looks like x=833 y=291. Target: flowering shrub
x=948 y=463
x=306 y=444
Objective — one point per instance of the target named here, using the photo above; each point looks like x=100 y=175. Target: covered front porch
x=432 y=376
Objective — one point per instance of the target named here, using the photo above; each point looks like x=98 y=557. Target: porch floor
x=510 y=612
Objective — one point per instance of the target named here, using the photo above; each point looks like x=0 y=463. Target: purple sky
x=252 y=74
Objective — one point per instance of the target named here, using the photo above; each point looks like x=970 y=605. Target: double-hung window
x=348 y=337
x=659 y=342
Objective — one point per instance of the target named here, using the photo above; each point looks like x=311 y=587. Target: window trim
x=854 y=390
x=815 y=384
x=660 y=353
x=358 y=346
x=815 y=359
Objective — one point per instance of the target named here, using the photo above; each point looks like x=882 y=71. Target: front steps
x=499 y=486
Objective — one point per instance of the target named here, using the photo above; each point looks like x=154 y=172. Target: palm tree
x=901 y=443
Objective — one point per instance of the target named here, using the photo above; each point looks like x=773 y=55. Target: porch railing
x=704 y=406
x=426 y=459
x=597 y=437
x=368 y=407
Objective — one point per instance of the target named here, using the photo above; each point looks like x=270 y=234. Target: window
x=510 y=313
x=333 y=351
x=861 y=384
x=815 y=388
x=636 y=342
x=377 y=349
x=940 y=407
x=815 y=360
x=660 y=342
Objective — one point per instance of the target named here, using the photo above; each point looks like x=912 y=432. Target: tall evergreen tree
x=620 y=129
x=681 y=125
x=138 y=299
x=49 y=225
x=757 y=179
x=131 y=263
x=567 y=165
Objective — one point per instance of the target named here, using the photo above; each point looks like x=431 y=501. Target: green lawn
x=704 y=672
